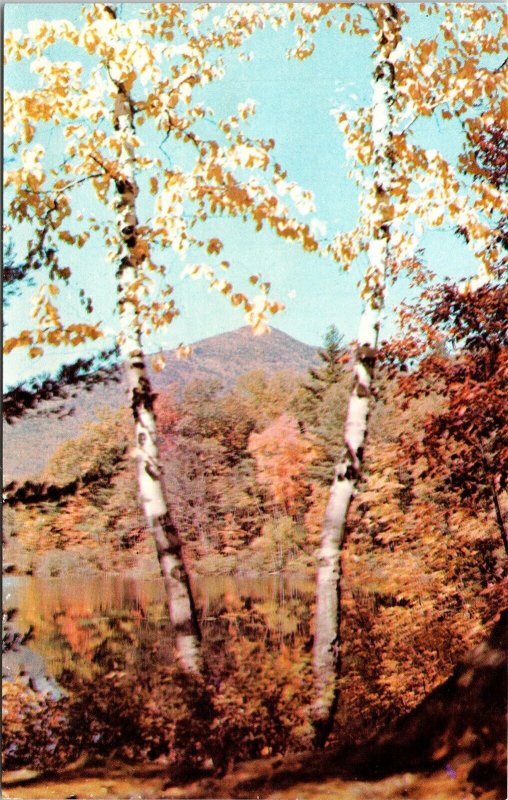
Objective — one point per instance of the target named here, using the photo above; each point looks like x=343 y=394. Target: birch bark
x=131 y=255
x=348 y=470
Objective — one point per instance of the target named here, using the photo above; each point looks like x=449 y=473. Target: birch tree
x=150 y=69
x=405 y=187
x=347 y=471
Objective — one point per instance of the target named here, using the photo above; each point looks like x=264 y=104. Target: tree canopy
x=164 y=57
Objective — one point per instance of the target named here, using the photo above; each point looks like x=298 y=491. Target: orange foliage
x=283 y=455
x=422 y=580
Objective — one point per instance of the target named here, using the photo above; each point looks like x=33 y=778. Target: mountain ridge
x=222 y=357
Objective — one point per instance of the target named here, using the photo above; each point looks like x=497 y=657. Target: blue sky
x=294 y=101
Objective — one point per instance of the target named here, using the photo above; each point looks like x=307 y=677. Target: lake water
x=88 y=624
x=105 y=646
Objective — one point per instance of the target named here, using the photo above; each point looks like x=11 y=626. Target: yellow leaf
x=183 y=351
x=10 y=344
x=65 y=236
x=158 y=362
x=214 y=246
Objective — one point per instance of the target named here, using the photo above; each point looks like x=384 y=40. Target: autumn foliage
x=423 y=523
x=282 y=456
x=464 y=441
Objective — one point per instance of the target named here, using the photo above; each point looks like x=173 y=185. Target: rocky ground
x=444 y=783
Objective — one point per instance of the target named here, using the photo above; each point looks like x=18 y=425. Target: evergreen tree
x=322 y=404
x=332 y=355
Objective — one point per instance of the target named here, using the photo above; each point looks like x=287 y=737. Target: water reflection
x=91 y=624
x=107 y=644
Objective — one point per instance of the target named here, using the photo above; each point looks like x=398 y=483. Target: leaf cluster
x=465 y=441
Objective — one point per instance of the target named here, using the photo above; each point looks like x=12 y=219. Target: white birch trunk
x=348 y=470
x=182 y=610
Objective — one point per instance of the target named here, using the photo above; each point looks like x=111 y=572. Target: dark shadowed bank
x=465 y=716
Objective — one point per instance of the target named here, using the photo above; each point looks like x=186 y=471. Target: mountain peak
x=223 y=357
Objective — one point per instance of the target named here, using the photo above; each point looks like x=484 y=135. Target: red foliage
x=491 y=154
x=166 y=410
x=465 y=442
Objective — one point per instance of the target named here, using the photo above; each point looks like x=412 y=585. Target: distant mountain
x=29 y=443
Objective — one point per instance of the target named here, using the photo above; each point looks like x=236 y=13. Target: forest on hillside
x=235 y=585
